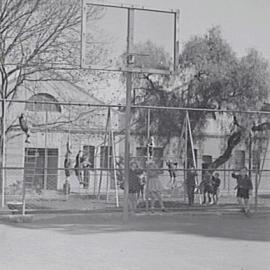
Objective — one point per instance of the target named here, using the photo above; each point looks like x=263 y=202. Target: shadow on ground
x=232 y=226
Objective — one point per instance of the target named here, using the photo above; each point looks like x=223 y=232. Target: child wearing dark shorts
x=216 y=183
x=244 y=188
x=134 y=185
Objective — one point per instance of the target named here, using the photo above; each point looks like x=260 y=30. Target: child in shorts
x=244 y=189
x=216 y=183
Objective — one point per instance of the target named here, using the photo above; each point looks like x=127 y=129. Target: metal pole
x=130 y=36
x=108 y=176
x=256 y=190
x=103 y=157
x=250 y=155
x=186 y=156
x=114 y=169
x=46 y=152
x=23 y=198
x=147 y=158
x=3 y=151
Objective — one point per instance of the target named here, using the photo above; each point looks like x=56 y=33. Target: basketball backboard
x=133 y=38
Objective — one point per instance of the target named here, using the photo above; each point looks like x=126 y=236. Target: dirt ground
x=170 y=241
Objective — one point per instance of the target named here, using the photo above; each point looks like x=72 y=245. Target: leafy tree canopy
x=211 y=76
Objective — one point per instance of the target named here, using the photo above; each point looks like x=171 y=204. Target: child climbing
x=24 y=127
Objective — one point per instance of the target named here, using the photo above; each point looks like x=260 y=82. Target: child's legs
x=240 y=202
x=132 y=201
x=159 y=197
x=246 y=202
x=152 y=199
x=142 y=191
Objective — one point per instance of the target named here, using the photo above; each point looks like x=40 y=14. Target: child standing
x=134 y=185
x=216 y=183
x=154 y=186
x=142 y=182
x=244 y=188
x=191 y=184
x=171 y=168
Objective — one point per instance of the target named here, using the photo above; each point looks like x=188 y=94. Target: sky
x=244 y=23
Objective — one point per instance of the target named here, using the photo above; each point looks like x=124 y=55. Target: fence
x=77 y=197
x=93 y=135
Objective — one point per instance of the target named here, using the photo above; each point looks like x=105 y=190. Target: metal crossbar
x=121 y=106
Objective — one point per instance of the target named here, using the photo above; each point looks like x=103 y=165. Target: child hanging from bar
x=24 y=127
x=142 y=182
x=171 y=168
x=244 y=189
x=67 y=166
x=150 y=147
x=78 y=166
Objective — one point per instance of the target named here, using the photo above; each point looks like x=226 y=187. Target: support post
x=256 y=189
x=3 y=172
x=249 y=155
x=104 y=154
x=108 y=165
x=114 y=169
x=23 y=198
x=147 y=159
x=46 y=153
x=130 y=37
x=186 y=156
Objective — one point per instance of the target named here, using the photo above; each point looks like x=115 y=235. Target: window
x=40 y=107
x=35 y=161
x=105 y=156
x=89 y=152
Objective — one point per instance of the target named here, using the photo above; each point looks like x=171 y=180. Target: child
x=24 y=126
x=154 y=186
x=78 y=166
x=67 y=166
x=191 y=184
x=142 y=182
x=206 y=187
x=244 y=188
x=150 y=147
x=216 y=183
x=134 y=185
x=171 y=168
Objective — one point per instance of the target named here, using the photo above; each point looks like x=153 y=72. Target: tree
x=211 y=76
x=39 y=39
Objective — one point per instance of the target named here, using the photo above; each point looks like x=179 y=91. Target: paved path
x=171 y=241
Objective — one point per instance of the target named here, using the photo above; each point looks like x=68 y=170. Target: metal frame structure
x=130 y=10
x=85 y=104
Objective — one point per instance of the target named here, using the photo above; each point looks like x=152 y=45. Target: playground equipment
x=109 y=144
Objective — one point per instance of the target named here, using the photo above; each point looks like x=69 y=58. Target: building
x=52 y=126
